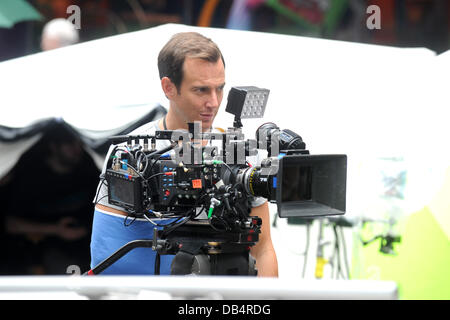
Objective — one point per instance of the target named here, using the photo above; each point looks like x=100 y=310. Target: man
x=192 y=73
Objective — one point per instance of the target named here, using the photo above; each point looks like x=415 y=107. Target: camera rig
x=203 y=183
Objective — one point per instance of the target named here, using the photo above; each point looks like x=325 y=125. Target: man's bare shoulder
x=109 y=209
x=148 y=128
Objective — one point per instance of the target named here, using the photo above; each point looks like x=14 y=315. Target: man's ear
x=169 y=88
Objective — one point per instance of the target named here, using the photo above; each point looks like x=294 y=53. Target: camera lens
x=254 y=182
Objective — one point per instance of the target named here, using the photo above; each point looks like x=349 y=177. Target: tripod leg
x=184 y=259
x=201 y=265
x=182 y=263
x=233 y=264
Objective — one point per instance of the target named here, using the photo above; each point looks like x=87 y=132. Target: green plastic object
x=331 y=19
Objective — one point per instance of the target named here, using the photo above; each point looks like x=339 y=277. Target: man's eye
x=201 y=90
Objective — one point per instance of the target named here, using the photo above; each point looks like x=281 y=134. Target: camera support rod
x=119 y=254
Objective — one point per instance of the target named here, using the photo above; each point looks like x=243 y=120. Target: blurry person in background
x=48 y=213
x=58 y=33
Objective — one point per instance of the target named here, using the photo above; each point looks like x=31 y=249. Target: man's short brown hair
x=181 y=45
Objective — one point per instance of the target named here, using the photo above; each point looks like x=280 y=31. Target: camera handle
x=119 y=254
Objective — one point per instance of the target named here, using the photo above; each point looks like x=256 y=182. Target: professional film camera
x=203 y=185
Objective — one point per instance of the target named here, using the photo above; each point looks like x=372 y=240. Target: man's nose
x=213 y=100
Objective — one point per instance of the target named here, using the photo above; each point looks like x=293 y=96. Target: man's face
x=200 y=92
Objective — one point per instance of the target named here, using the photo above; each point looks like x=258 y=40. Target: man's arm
x=263 y=251
x=38 y=230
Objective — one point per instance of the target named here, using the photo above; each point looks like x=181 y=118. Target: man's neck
x=169 y=125
x=172 y=123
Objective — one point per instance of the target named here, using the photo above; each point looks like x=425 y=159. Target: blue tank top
x=111 y=231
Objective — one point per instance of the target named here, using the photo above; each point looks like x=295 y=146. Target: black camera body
x=148 y=181
x=157 y=185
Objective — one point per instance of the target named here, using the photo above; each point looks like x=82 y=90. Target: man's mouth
x=206 y=116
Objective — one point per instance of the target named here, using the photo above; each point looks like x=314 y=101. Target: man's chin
x=207 y=124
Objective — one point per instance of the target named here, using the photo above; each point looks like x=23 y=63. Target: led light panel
x=247 y=102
